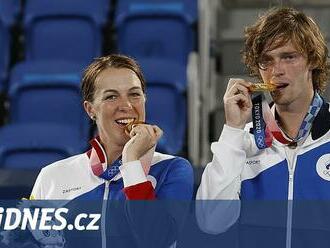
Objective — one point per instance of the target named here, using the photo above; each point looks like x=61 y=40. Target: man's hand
x=143 y=138
x=237 y=102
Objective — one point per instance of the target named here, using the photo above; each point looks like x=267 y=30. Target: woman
x=121 y=163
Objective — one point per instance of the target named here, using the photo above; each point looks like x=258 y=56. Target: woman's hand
x=143 y=138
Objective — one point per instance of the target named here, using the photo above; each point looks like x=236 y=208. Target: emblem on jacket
x=323 y=167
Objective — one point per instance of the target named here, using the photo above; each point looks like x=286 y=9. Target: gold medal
x=129 y=126
x=260 y=87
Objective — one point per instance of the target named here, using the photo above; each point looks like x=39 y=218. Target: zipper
x=291 y=169
x=289 y=211
x=104 y=211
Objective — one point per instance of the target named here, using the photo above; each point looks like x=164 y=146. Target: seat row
x=43 y=91
x=45 y=104
x=73 y=30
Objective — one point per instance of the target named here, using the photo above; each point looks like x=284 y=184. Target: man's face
x=287 y=68
x=118 y=99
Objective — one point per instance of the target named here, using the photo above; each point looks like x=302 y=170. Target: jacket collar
x=321 y=124
x=98 y=160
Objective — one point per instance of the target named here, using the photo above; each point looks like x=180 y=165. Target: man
x=285 y=156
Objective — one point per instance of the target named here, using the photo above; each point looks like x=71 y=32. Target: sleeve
x=157 y=223
x=37 y=191
x=221 y=182
x=136 y=185
x=178 y=183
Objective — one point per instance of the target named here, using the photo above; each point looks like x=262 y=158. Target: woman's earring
x=93 y=117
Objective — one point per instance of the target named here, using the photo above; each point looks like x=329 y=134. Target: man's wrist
x=235 y=125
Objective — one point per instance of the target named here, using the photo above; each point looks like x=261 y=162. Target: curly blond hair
x=280 y=25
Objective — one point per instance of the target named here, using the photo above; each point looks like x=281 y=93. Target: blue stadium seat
x=32 y=146
x=9 y=10
x=166 y=101
x=62 y=29
x=48 y=91
x=156 y=28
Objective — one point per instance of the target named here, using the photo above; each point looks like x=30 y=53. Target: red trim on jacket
x=140 y=191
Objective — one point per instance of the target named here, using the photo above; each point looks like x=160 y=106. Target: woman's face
x=118 y=99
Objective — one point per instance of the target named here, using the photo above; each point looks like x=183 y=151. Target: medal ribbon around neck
x=265 y=127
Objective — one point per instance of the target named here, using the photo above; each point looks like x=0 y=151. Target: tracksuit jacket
x=123 y=223
x=278 y=188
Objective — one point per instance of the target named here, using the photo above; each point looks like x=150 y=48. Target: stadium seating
x=32 y=146
x=9 y=10
x=62 y=29
x=166 y=101
x=156 y=28
x=49 y=92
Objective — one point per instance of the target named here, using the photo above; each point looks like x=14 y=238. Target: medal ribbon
x=265 y=126
x=98 y=161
